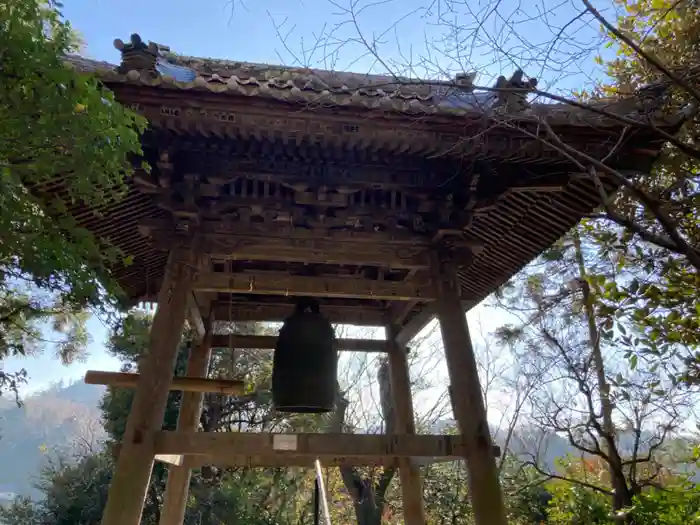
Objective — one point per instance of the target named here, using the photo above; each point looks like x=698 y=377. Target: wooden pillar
x=409 y=473
x=132 y=474
x=178 y=483
x=467 y=399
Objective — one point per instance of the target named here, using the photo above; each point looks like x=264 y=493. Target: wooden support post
x=178 y=483
x=409 y=473
x=132 y=474
x=467 y=399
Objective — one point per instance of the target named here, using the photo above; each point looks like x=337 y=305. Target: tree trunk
x=622 y=496
x=367 y=496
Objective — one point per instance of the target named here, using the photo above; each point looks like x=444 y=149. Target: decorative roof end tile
x=150 y=59
x=137 y=56
x=466 y=80
x=513 y=92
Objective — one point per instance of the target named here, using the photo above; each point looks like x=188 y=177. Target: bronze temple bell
x=305 y=362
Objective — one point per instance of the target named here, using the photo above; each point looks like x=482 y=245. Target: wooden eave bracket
x=406 y=332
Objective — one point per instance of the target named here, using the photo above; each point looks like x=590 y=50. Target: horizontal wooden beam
x=185 y=384
x=289 y=244
x=268 y=341
x=171 y=459
x=227 y=446
x=285 y=285
x=158 y=227
x=277 y=312
x=290 y=460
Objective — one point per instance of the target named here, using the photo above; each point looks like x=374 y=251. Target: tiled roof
x=154 y=65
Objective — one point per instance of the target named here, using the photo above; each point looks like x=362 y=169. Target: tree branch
x=550 y=475
x=637 y=49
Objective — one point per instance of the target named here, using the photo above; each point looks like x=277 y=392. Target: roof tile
x=303 y=85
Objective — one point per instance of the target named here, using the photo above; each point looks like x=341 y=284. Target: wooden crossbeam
x=282 y=284
x=171 y=459
x=185 y=384
x=287 y=243
x=277 y=312
x=226 y=446
x=291 y=460
x=268 y=341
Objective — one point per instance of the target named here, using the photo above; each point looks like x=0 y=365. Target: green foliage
x=21 y=511
x=666 y=308
x=57 y=124
x=446 y=501
x=527 y=497
x=63 y=141
x=76 y=493
x=30 y=321
x=675 y=505
x=572 y=504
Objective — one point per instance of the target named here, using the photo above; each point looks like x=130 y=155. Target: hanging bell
x=305 y=362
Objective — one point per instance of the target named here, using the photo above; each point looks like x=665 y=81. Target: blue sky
x=319 y=33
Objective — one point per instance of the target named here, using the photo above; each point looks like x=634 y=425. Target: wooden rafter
x=268 y=341
x=286 y=285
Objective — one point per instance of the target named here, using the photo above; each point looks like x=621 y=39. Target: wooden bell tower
x=391 y=202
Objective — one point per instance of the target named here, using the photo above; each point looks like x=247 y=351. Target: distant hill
x=48 y=423
x=528 y=442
